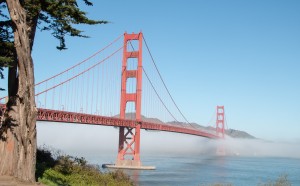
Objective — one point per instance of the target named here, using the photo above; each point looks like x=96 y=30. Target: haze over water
x=181 y=159
x=201 y=169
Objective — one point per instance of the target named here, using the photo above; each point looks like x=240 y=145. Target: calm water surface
x=199 y=170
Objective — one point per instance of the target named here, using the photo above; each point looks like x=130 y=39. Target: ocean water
x=205 y=170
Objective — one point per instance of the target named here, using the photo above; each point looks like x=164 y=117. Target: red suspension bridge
x=101 y=91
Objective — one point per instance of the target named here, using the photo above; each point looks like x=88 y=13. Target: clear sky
x=244 y=55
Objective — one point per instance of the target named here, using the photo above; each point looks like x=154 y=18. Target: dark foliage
x=68 y=170
x=44 y=161
x=57 y=16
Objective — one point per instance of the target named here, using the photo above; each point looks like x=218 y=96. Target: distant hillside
x=238 y=134
x=131 y=116
x=230 y=132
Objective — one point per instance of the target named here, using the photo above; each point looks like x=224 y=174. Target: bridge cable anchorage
x=165 y=84
x=157 y=92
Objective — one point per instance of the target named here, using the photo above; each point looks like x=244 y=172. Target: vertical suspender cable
x=164 y=82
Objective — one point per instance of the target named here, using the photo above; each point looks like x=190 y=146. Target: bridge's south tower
x=129 y=138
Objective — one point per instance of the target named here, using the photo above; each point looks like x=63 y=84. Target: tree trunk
x=18 y=132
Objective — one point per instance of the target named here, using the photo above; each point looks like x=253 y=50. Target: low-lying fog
x=87 y=140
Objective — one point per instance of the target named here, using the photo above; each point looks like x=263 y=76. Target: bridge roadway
x=81 y=118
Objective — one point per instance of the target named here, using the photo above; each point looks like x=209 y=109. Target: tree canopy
x=56 y=16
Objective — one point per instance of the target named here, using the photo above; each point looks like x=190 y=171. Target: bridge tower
x=129 y=138
x=220 y=124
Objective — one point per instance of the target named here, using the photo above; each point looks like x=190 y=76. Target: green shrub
x=281 y=181
x=69 y=171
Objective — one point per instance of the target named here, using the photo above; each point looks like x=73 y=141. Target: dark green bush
x=67 y=170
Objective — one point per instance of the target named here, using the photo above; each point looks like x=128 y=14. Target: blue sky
x=244 y=55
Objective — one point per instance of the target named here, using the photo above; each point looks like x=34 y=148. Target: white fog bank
x=88 y=140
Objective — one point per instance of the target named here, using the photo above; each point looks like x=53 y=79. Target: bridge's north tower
x=220 y=121
x=129 y=138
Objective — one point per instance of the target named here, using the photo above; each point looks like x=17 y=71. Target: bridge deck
x=80 y=118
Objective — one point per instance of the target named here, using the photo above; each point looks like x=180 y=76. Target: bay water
x=181 y=159
x=207 y=170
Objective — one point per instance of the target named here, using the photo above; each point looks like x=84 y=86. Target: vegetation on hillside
x=67 y=170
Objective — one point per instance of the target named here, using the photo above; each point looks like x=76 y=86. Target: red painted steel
x=220 y=128
x=88 y=119
x=129 y=132
x=129 y=137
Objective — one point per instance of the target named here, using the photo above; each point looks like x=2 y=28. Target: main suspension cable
x=165 y=83
x=81 y=61
x=155 y=89
x=158 y=95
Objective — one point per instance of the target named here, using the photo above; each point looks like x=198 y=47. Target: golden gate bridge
x=132 y=96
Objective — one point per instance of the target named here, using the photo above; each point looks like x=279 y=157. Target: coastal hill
x=230 y=132
x=238 y=134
